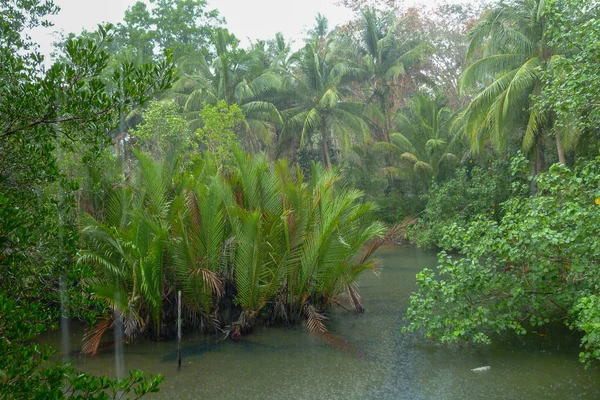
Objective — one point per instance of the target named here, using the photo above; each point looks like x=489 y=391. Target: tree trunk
x=179 y=330
x=533 y=185
x=386 y=130
x=539 y=155
x=560 y=151
x=389 y=156
x=324 y=144
x=355 y=298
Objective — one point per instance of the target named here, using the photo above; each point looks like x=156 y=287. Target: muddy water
x=367 y=358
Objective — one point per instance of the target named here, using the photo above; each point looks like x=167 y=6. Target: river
x=369 y=359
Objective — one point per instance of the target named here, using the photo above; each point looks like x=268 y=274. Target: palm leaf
x=487 y=67
x=93 y=336
x=314 y=319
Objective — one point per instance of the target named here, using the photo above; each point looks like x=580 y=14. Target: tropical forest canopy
x=157 y=155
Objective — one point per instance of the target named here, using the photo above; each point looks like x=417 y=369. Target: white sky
x=262 y=19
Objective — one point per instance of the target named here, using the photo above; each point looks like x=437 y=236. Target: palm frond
x=403 y=142
x=314 y=319
x=488 y=67
x=93 y=336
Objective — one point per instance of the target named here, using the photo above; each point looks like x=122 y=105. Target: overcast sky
x=262 y=19
x=254 y=19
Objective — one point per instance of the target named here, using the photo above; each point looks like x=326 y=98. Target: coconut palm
x=424 y=144
x=279 y=51
x=320 y=113
x=234 y=76
x=389 y=66
x=512 y=51
x=319 y=32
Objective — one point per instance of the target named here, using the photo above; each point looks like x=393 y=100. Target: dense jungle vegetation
x=158 y=155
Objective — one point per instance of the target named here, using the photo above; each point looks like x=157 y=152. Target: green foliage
x=388 y=52
x=163 y=130
x=27 y=370
x=423 y=146
x=571 y=82
x=320 y=114
x=243 y=236
x=535 y=265
x=184 y=26
x=218 y=132
x=127 y=248
x=235 y=76
x=473 y=194
x=587 y=320
x=512 y=49
x=46 y=112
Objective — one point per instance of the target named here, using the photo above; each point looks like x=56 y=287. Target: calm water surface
x=372 y=359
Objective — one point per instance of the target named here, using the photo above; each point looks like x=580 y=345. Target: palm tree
x=295 y=241
x=197 y=238
x=333 y=234
x=128 y=251
x=423 y=144
x=254 y=212
x=279 y=53
x=234 y=76
x=513 y=51
x=385 y=61
x=318 y=89
x=319 y=32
